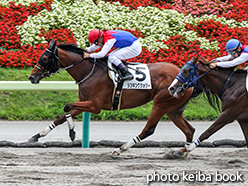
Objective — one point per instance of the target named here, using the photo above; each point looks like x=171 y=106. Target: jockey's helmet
x=232 y=46
x=94 y=36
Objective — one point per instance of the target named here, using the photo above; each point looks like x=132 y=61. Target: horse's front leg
x=71 y=110
x=223 y=119
x=49 y=128
x=71 y=125
x=65 y=117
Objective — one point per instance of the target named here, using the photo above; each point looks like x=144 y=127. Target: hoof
x=34 y=138
x=171 y=156
x=186 y=155
x=31 y=140
x=116 y=153
x=72 y=134
x=178 y=153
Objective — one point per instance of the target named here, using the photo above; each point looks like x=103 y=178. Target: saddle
x=116 y=97
x=114 y=74
x=142 y=79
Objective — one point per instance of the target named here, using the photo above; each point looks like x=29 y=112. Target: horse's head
x=186 y=78
x=47 y=64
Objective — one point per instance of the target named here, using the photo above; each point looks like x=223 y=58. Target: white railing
x=50 y=86
x=43 y=85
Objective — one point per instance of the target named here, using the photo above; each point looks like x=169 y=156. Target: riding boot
x=126 y=75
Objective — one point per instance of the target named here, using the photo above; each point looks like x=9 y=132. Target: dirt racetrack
x=136 y=167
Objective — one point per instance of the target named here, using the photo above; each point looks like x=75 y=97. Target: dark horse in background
x=226 y=83
x=95 y=91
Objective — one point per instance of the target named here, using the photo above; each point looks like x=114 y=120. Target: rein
x=79 y=82
x=188 y=84
x=59 y=70
x=70 y=66
x=226 y=83
x=94 y=61
x=198 y=77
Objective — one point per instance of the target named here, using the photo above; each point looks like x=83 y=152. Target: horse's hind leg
x=177 y=118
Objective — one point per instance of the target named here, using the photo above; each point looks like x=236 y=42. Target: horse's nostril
x=31 y=78
x=171 y=89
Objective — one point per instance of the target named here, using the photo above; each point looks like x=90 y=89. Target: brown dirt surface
x=136 y=167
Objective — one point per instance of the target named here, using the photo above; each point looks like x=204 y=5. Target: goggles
x=234 y=51
x=96 y=42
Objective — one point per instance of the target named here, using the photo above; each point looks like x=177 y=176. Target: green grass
x=48 y=105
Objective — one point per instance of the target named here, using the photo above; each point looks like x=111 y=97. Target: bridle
x=52 y=66
x=192 y=78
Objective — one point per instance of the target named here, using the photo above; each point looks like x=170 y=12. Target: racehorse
x=226 y=83
x=95 y=90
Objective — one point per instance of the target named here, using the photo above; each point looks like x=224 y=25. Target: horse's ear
x=192 y=59
x=52 y=46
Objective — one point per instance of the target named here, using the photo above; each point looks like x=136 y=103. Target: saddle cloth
x=141 y=73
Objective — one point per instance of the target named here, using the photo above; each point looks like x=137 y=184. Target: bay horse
x=226 y=83
x=95 y=90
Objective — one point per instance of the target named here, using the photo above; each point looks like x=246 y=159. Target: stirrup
x=123 y=78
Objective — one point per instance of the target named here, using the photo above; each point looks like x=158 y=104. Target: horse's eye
x=185 y=72
x=45 y=60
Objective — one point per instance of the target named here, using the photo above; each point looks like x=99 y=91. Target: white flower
x=83 y=15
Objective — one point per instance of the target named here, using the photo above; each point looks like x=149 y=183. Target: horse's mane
x=212 y=99
x=208 y=94
x=72 y=48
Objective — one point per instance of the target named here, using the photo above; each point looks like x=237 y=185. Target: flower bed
x=163 y=27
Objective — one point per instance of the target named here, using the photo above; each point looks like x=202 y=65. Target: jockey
x=237 y=54
x=128 y=46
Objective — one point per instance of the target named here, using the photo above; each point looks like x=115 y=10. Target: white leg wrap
x=131 y=143
x=126 y=146
x=47 y=130
x=192 y=146
x=70 y=122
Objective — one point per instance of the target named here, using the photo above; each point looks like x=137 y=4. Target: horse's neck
x=215 y=79
x=80 y=70
x=73 y=64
